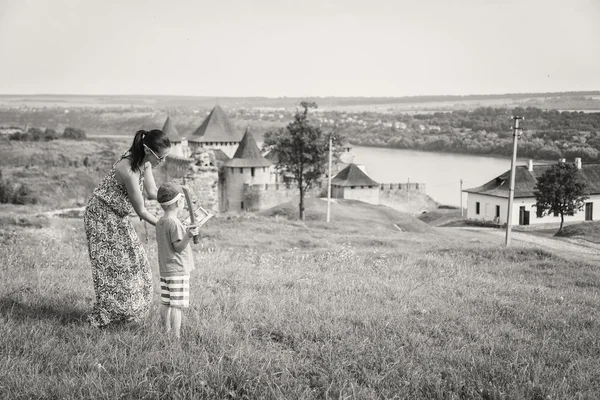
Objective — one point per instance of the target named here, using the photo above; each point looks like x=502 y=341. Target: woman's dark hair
x=155 y=139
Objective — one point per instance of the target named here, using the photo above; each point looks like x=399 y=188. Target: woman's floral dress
x=120 y=269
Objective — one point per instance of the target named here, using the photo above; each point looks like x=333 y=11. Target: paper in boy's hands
x=201 y=216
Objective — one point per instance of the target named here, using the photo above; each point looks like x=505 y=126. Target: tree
x=50 y=134
x=74 y=133
x=560 y=190
x=302 y=149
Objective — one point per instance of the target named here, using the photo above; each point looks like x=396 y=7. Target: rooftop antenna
x=511 y=190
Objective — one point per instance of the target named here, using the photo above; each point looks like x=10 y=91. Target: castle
x=228 y=172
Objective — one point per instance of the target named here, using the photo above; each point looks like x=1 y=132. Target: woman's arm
x=131 y=181
x=149 y=183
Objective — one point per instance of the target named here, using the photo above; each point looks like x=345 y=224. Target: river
x=440 y=172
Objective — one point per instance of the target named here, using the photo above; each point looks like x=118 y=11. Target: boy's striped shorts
x=175 y=291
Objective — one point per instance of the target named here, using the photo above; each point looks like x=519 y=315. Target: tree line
x=34 y=134
x=547 y=134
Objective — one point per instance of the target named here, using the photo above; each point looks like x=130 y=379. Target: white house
x=489 y=202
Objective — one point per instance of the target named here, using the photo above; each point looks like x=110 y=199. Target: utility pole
x=329 y=179
x=461 y=196
x=511 y=190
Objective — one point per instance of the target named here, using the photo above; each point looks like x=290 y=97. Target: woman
x=120 y=269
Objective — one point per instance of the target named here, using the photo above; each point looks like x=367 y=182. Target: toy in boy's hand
x=197 y=217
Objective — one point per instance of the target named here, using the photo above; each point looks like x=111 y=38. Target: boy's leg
x=165 y=301
x=165 y=316
x=176 y=321
x=179 y=288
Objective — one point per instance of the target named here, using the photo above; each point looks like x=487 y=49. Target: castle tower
x=216 y=132
x=353 y=183
x=179 y=146
x=247 y=166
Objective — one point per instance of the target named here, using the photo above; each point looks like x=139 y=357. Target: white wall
x=488 y=206
x=366 y=194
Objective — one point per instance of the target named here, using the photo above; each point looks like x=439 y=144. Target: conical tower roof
x=171 y=131
x=248 y=154
x=352 y=175
x=215 y=128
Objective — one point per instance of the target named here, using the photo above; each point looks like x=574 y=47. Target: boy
x=174 y=257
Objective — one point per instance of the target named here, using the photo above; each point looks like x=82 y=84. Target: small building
x=248 y=166
x=179 y=145
x=216 y=132
x=489 y=202
x=353 y=183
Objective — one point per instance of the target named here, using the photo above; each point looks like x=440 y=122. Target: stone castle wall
x=204 y=185
x=261 y=197
x=406 y=197
x=395 y=187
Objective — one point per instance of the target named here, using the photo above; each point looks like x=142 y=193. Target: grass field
x=587 y=230
x=283 y=309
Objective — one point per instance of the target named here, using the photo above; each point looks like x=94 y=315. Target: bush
x=74 y=133
x=6 y=191
x=50 y=134
x=24 y=195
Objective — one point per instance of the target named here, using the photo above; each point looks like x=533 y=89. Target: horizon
x=591 y=92
x=325 y=48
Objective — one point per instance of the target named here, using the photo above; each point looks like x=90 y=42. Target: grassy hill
x=586 y=230
x=286 y=309
x=61 y=173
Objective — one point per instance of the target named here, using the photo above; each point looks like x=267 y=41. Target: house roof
x=171 y=131
x=220 y=155
x=271 y=156
x=526 y=180
x=247 y=154
x=352 y=175
x=215 y=128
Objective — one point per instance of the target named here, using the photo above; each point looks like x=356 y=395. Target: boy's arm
x=180 y=245
x=180 y=237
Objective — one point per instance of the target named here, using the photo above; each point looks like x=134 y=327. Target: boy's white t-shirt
x=170 y=262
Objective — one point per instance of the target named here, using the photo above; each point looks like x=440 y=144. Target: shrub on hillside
x=20 y=136
x=24 y=195
x=8 y=194
x=50 y=134
x=6 y=191
x=74 y=133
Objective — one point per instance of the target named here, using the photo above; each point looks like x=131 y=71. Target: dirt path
x=576 y=249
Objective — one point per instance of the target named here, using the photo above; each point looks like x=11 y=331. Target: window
x=538 y=212
x=352 y=187
x=252 y=171
x=241 y=170
x=477 y=207
x=242 y=205
x=497 y=211
x=556 y=213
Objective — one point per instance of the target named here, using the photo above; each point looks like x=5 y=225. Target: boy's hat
x=169 y=193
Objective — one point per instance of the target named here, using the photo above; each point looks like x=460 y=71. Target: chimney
x=530 y=165
x=578 y=162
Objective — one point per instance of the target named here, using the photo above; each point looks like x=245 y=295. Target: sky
x=277 y=48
